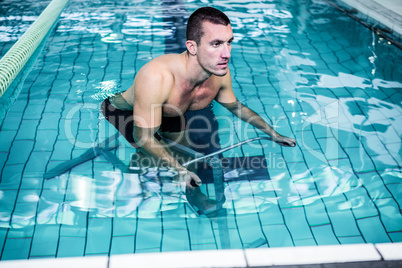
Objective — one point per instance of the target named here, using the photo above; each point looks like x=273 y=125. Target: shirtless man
x=168 y=86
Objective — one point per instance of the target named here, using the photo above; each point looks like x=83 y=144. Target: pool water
x=311 y=71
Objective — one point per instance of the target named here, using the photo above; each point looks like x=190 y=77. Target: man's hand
x=192 y=180
x=284 y=141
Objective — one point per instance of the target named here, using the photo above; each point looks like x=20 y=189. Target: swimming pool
x=317 y=75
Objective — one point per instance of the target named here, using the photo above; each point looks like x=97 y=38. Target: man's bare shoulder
x=162 y=69
x=157 y=77
x=168 y=63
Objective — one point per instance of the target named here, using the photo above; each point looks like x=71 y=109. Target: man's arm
x=227 y=98
x=249 y=116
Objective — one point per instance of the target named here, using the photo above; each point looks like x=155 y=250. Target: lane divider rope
x=14 y=60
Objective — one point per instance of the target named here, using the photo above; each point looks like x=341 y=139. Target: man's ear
x=191 y=47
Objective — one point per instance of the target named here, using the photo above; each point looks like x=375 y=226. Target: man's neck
x=195 y=74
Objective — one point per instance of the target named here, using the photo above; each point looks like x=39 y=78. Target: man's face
x=214 y=49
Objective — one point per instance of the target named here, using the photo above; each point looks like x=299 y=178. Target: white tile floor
x=394 y=5
x=390 y=252
x=193 y=259
x=76 y=262
x=312 y=255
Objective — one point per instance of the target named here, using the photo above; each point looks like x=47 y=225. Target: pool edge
x=307 y=256
x=384 y=15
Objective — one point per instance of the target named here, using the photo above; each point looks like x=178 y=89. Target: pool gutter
x=388 y=13
x=383 y=18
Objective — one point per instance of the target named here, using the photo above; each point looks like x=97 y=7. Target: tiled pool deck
x=356 y=255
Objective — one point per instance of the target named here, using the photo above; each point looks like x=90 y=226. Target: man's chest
x=193 y=99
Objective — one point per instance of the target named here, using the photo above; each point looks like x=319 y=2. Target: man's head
x=209 y=38
x=195 y=22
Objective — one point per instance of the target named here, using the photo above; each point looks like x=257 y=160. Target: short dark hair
x=194 y=29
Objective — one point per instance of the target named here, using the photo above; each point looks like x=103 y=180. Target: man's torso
x=182 y=96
